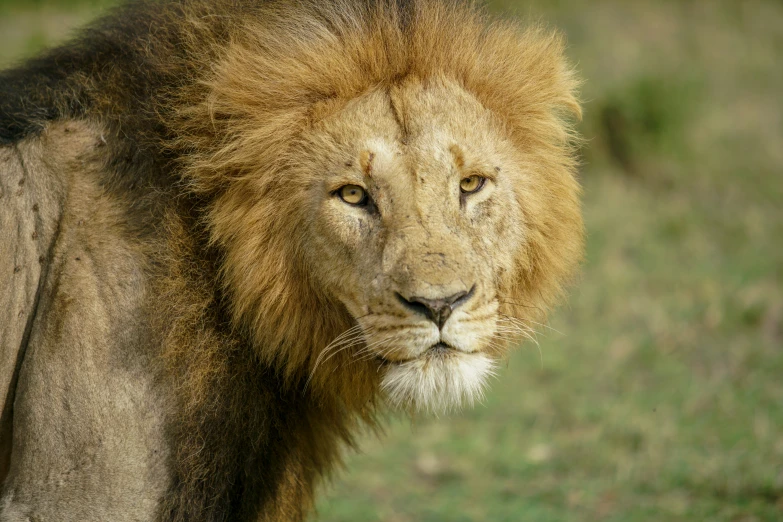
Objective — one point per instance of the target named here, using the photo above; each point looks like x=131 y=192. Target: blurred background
x=657 y=391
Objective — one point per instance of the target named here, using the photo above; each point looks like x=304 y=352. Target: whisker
x=518 y=323
x=533 y=322
x=367 y=353
x=526 y=331
x=347 y=336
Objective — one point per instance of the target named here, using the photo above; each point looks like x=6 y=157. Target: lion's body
x=172 y=264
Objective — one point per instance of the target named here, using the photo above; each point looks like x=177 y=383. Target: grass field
x=658 y=393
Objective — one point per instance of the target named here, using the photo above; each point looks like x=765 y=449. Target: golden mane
x=293 y=63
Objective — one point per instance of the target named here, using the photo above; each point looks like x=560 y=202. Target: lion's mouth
x=438 y=350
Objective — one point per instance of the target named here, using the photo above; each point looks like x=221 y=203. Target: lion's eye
x=353 y=194
x=471 y=184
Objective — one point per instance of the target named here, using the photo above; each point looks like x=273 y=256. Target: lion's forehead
x=418 y=122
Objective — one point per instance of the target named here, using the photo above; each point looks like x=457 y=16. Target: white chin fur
x=438 y=384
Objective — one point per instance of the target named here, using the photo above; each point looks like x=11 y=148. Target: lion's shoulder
x=74 y=348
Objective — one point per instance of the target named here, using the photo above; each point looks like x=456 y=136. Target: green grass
x=28 y=26
x=662 y=398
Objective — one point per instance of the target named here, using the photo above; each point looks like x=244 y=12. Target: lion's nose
x=436 y=310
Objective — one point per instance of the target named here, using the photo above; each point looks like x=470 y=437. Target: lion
x=235 y=232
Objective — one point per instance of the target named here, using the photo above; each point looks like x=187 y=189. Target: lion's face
x=415 y=225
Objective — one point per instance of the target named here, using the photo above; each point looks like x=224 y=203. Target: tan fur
x=87 y=420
